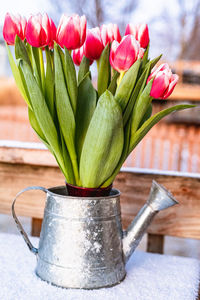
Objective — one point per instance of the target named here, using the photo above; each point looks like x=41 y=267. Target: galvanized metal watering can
x=82 y=244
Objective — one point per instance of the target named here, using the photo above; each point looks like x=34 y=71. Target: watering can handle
x=19 y=226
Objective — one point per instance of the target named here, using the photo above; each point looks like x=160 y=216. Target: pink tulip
x=78 y=56
x=71 y=31
x=14 y=25
x=164 y=82
x=38 y=31
x=140 y=33
x=93 y=45
x=53 y=33
x=110 y=33
x=124 y=54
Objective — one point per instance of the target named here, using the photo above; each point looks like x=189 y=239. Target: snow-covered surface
x=149 y=277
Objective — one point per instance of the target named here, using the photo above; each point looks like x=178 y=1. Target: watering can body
x=82 y=244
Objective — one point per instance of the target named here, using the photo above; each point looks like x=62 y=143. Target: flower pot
x=82 y=244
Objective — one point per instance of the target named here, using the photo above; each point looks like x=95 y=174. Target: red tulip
x=38 y=31
x=140 y=33
x=14 y=25
x=164 y=82
x=78 y=56
x=53 y=33
x=124 y=54
x=93 y=45
x=71 y=31
x=110 y=33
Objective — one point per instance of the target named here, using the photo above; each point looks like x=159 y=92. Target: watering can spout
x=159 y=199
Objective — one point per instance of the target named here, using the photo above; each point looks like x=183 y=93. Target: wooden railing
x=34 y=169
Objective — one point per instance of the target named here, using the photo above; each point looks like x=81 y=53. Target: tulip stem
x=120 y=78
x=97 y=65
x=42 y=69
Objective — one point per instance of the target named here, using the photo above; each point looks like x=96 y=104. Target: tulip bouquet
x=89 y=130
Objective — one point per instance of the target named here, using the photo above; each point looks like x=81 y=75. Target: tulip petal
x=171 y=86
x=160 y=84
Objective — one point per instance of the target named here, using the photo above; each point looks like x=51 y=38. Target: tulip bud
x=93 y=45
x=164 y=82
x=140 y=33
x=71 y=31
x=110 y=33
x=38 y=31
x=124 y=54
x=14 y=25
x=78 y=56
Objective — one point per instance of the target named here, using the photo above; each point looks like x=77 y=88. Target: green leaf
x=49 y=84
x=144 y=129
x=65 y=112
x=127 y=131
x=83 y=68
x=67 y=161
x=113 y=84
x=86 y=105
x=103 y=143
x=17 y=76
x=141 y=107
x=154 y=61
x=145 y=56
x=147 y=115
x=34 y=123
x=104 y=71
x=36 y=65
x=41 y=112
x=126 y=86
x=21 y=51
x=70 y=78
x=141 y=82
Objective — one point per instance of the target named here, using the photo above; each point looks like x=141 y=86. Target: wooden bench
x=24 y=166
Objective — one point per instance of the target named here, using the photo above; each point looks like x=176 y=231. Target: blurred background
x=174 y=31
x=174 y=27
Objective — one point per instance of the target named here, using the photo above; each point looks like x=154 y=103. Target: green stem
x=76 y=171
x=120 y=78
x=42 y=69
x=97 y=64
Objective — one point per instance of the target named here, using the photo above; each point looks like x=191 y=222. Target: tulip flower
x=78 y=56
x=93 y=45
x=53 y=33
x=140 y=33
x=71 y=31
x=110 y=33
x=164 y=82
x=14 y=25
x=38 y=31
x=124 y=54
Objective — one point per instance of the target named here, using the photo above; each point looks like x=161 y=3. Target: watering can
x=82 y=243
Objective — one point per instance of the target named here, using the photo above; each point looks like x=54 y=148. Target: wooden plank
x=15 y=152
x=36 y=225
x=15 y=177
x=181 y=221
x=155 y=243
x=188 y=92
